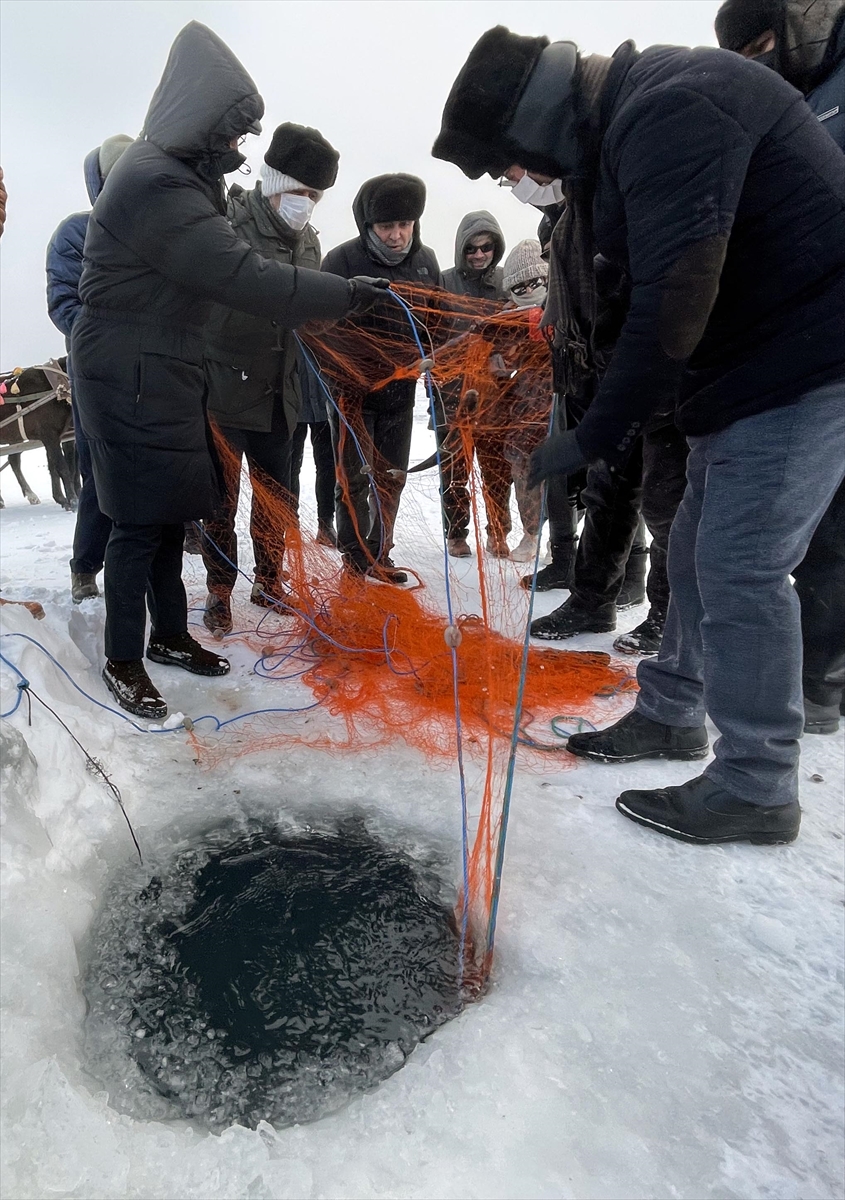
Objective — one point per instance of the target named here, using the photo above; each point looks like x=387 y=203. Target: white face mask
x=528 y=191
x=295 y=210
x=536 y=298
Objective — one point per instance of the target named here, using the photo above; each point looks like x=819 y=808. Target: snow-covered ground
x=664 y=1020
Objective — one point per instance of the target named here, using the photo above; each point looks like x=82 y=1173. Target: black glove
x=364 y=292
x=558 y=455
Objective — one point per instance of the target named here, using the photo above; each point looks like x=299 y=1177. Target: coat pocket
x=169 y=408
x=240 y=391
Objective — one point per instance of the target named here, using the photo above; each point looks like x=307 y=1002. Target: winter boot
x=821 y=718
x=526 y=551
x=267 y=593
x=183 y=651
x=384 y=570
x=570 y=619
x=636 y=737
x=701 y=811
x=645 y=639
x=632 y=591
x=458 y=547
x=217 y=617
x=133 y=689
x=497 y=547
x=326 y=536
x=83 y=586
x=558 y=574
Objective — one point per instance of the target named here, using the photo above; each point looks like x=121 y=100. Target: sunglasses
x=485 y=249
x=520 y=289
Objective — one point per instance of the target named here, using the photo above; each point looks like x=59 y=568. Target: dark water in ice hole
x=266 y=974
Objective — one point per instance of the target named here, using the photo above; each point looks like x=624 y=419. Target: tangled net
x=386 y=664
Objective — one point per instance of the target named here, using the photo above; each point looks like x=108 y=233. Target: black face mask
x=768 y=59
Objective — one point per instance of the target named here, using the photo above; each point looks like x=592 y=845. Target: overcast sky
x=372 y=75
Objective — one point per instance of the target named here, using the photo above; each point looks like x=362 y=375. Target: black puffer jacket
x=723 y=199
x=460 y=280
x=158 y=251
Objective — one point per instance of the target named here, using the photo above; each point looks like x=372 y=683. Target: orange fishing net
x=385 y=664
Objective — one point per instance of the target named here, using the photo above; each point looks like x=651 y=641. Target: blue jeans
x=732 y=645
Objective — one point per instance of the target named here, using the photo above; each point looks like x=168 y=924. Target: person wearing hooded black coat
x=708 y=180
x=64 y=270
x=158 y=252
x=806 y=45
x=382 y=420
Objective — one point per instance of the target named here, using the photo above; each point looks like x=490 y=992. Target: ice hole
x=266 y=974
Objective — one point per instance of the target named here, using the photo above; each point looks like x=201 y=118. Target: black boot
x=558 y=573
x=632 y=591
x=265 y=594
x=384 y=570
x=821 y=718
x=646 y=638
x=569 y=620
x=183 y=651
x=217 y=617
x=636 y=737
x=701 y=811
x=133 y=689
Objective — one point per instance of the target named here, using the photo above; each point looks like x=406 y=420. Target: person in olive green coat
x=252 y=366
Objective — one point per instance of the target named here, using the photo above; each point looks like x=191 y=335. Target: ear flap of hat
x=483 y=99
x=304 y=154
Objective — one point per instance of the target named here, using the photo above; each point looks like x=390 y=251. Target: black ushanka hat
x=483 y=100
x=396 y=197
x=304 y=154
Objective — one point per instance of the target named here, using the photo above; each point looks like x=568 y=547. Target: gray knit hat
x=524 y=263
x=111 y=150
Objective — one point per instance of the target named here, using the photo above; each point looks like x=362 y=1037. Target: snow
x=665 y=1020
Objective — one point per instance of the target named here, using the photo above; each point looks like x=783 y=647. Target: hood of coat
x=390 y=198
x=93 y=176
x=806 y=32
x=471 y=225
x=204 y=100
x=108 y=153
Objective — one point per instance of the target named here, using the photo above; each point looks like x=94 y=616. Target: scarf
x=381 y=253
x=571 y=305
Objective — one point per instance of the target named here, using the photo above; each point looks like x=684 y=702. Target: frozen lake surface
x=664 y=1020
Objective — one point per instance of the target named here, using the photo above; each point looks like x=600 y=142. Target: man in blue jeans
x=709 y=180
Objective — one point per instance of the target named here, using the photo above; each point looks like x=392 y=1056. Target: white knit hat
x=273 y=182
x=524 y=263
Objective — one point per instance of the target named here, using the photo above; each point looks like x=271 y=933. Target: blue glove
x=558 y=455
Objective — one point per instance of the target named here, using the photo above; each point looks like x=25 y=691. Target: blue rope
x=455 y=676
x=22 y=686
x=311 y=363
x=517 y=719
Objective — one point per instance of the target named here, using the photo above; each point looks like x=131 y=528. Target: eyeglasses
x=487 y=248
x=520 y=289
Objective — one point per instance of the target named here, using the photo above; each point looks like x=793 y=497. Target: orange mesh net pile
x=384 y=664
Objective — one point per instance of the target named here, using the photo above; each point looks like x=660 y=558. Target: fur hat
x=389 y=198
x=524 y=263
x=483 y=100
x=304 y=154
x=739 y=22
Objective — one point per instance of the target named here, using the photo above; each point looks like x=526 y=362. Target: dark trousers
x=92 y=527
x=382 y=423
x=820 y=584
x=653 y=479
x=321 y=448
x=270 y=455
x=143 y=562
x=496 y=473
